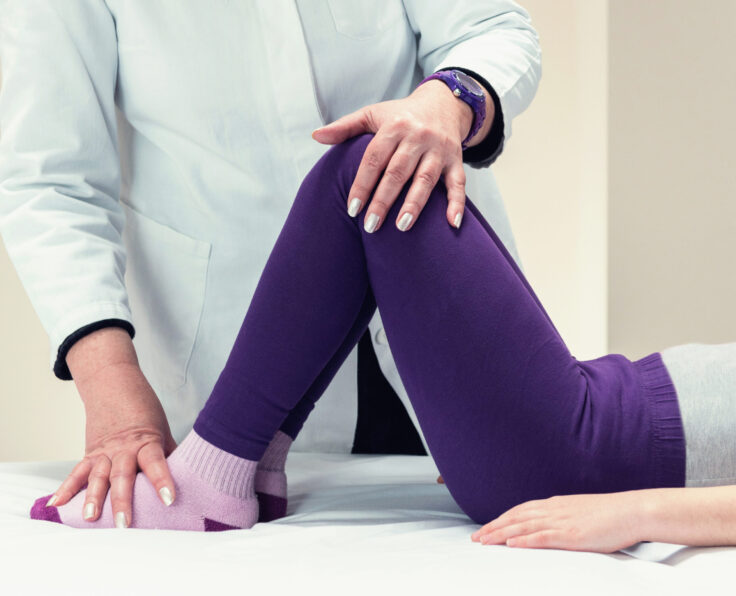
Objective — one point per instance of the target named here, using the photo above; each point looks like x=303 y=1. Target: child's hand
x=601 y=523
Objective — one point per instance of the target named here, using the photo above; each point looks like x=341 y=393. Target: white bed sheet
x=356 y=525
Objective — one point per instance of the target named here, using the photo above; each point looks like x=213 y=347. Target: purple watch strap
x=476 y=103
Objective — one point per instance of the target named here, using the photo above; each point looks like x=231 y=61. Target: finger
x=153 y=463
x=440 y=480
x=346 y=127
x=425 y=179
x=122 y=480
x=501 y=535
x=375 y=158
x=169 y=446
x=399 y=169
x=512 y=516
x=99 y=482
x=455 y=184
x=543 y=539
x=72 y=484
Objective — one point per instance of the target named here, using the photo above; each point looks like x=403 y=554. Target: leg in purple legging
x=508 y=413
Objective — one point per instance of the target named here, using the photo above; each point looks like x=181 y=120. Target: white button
x=381 y=337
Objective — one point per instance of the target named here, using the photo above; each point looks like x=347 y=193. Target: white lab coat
x=174 y=135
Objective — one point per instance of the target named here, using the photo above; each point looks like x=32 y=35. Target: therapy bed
x=355 y=525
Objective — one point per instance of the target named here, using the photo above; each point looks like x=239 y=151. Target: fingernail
x=458 y=219
x=354 y=207
x=51 y=501
x=166 y=495
x=371 y=223
x=89 y=511
x=404 y=221
x=120 y=521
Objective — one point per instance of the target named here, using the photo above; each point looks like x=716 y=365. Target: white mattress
x=356 y=525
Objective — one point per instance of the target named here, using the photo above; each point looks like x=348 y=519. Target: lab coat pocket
x=166 y=278
x=362 y=20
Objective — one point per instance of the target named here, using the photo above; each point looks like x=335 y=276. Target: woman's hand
x=601 y=523
x=420 y=135
x=126 y=427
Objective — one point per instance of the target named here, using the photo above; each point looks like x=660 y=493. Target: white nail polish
x=371 y=222
x=404 y=221
x=120 y=521
x=166 y=495
x=89 y=511
x=458 y=219
x=354 y=207
x=51 y=501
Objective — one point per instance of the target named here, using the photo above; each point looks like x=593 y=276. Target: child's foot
x=214 y=491
x=270 y=482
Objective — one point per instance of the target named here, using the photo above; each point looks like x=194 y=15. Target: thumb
x=346 y=127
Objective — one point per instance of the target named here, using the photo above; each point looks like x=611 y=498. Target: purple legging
x=508 y=413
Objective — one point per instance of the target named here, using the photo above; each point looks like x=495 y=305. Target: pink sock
x=214 y=491
x=270 y=482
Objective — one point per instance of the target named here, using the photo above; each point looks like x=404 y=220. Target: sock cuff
x=274 y=458
x=228 y=473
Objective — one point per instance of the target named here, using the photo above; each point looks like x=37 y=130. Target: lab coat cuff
x=81 y=322
x=511 y=88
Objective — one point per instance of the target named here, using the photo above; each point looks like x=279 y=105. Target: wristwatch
x=467 y=89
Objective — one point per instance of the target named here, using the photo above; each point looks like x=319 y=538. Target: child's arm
x=609 y=522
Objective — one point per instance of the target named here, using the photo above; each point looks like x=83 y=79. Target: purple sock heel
x=40 y=511
x=211 y=525
x=270 y=507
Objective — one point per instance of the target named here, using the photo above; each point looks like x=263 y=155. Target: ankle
x=228 y=473
x=274 y=458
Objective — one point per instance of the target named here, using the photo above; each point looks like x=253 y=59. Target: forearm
x=108 y=347
x=693 y=516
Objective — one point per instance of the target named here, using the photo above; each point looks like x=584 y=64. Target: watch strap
x=477 y=104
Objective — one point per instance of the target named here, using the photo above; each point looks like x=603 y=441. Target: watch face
x=468 y=82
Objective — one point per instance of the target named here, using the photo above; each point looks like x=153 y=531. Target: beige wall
x=556 y=175
x=672 y=174
x=553 y=175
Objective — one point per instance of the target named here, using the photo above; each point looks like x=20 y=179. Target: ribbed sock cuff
x=668 y=435
x=228 y=473
x=274 y=458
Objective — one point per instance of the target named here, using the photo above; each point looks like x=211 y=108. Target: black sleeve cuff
x=486 y=152
x=61 y=370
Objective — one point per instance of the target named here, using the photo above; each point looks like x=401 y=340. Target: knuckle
x=541 y=539
x=423 y=133
x=512 y=518
x=401 y=121
x=412 y=206
x=459 y=179
x=380 y=206
x=156 y=477
x=427 y=178
x=116 y=475
x=395 y=175
x=99 y=475
x=371 y=159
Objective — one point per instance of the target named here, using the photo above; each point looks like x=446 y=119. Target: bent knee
x=344 y=158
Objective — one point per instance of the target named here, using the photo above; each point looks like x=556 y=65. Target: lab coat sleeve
x=60 y=218
x=492 y=38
